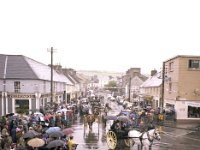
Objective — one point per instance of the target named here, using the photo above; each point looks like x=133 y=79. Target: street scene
x=99 y=75
x=90 y=121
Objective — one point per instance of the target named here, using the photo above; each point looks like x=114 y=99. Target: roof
x=22 y=67
x=15 y=67
x=83 y=78
x=153 y=81
x=182 y=56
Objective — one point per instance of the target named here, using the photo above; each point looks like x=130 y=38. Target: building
x=131 y=83
x=25 y=84
x=151 y=90
x=182 y=86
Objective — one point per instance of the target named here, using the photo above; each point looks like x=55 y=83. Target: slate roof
x=153 y=81
x=71 y=75
x=21 y=67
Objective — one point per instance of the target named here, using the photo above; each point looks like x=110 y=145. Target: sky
x=104 y=35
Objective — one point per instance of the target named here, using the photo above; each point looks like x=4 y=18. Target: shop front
x=22 y=106
x=193 y=109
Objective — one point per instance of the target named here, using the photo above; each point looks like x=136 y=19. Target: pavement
x=182 y=125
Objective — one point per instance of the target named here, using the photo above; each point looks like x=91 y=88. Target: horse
x=144 y=139
x=90 y=118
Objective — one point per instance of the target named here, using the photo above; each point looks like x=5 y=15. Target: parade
x=99 y=75
x=54 y=123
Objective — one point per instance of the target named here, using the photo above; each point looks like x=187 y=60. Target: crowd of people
x=17 y=130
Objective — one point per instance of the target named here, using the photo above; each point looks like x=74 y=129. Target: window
x=17 y=86
x=166 y=70
x=194 y=64
x=170 y=87
x=171 y=66
x=193 y=112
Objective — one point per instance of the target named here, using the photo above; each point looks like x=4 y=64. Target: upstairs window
x=170 y=87
x=17 y=86
x=171 y=66
x=194 y=64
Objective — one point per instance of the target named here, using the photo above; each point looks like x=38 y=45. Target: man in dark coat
x=13 y=134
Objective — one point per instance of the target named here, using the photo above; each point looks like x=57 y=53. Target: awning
x=193 y=104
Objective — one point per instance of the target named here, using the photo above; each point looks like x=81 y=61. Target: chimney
x=153 y=72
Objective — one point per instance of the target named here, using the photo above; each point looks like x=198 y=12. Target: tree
x=112 y=86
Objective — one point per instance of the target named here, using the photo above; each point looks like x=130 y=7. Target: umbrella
x=10 y=114
x=14 y=117
x=52 y=129
x=64 y=109
x=55 y=143
x=123 y=118
x=68 y=131
x=56 y=134
x=111 y=117
x=39 y=113
x=36 y=142
x=30 y=134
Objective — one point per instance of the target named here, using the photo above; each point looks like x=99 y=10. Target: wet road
x=171 y=138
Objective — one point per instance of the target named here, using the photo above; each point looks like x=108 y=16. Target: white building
x=151 y=90
x=25 y=84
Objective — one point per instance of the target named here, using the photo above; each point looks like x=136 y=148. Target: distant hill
x=100 y=73
x=103 y=76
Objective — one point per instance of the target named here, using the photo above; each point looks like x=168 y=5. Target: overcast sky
x=111 y=35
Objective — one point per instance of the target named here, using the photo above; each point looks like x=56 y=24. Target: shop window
x=193 y=112
x=17 y=86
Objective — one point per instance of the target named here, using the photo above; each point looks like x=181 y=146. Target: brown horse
x=90 y=119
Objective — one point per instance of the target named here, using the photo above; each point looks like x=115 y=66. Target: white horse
x=144 y=139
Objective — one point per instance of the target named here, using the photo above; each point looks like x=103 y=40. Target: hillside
x=100 y=73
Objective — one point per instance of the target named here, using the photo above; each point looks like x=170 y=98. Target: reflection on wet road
x=171 y=138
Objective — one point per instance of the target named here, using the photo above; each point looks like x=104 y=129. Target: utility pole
x=163 y=86
x=52 y=51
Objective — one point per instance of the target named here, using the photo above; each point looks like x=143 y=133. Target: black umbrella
x=55 y=143
x=30 y=134
x=56 y=134
x=10 y=114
